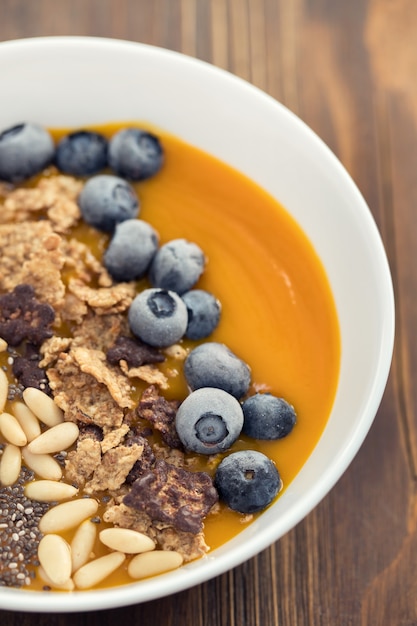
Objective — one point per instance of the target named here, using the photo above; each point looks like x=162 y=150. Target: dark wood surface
x=348 y=68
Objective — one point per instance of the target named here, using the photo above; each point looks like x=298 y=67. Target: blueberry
x=247 y=481
x=135 y=154
x=131 y=250
x=105 y=201
x=203 y=313
x=177 y=266
x=209 y=421
x=268 y=417
x=158 y=317
x=213 y=365
x=25 y=150
x=81 y=153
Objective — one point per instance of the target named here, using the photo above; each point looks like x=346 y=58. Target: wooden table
x=349 y=69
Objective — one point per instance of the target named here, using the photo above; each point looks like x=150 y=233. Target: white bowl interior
x=79 y=81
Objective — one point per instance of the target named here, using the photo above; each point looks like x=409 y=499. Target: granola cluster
x=66 y=319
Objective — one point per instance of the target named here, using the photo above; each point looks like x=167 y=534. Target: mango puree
x=278 y=312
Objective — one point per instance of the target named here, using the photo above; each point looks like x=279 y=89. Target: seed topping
x=20 y=534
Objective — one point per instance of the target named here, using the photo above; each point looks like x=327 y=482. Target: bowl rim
x=223 y=558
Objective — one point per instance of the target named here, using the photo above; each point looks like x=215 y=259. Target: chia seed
x=15 y=392
x=60 y=458
x=19 y=525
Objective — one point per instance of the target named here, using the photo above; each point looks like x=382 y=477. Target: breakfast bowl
x=226 y=135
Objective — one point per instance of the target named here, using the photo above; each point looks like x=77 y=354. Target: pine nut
x=126 y=540
x=95 y=571
x=43 y=406
x=3 y=345
x=4 y=389
x=27 y=420
x=82 y=544
x=11 y=462
x=54 y=555
x=49 y=490
x=67 y=515
x=67 y=586
x=42 y=464
x=55 y=439
x=11 y=430
x=153 y=563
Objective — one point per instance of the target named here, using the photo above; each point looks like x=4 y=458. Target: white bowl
x=74 y=82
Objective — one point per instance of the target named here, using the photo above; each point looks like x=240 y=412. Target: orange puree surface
x=278 y=313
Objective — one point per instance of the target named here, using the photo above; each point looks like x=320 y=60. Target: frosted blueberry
x=209 y=421
x=158 y=317
x=25 y=150
x=213 y=365
x=177 y=266
x=203 y=313
x=106 y=200
x=131 y=250
x=81 y=153
x=135 y=154
x=267 y=417
x=247 y=481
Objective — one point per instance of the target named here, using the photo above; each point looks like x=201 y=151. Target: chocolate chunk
x=146 y=461
x=90 y=431
x=173 y=495
x=161 y=414
x=134 y=352
x=27 y=371
x=22 y=317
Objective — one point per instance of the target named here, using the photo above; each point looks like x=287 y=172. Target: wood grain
x=348 y=69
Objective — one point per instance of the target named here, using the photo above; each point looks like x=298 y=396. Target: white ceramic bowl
x=79 y=81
